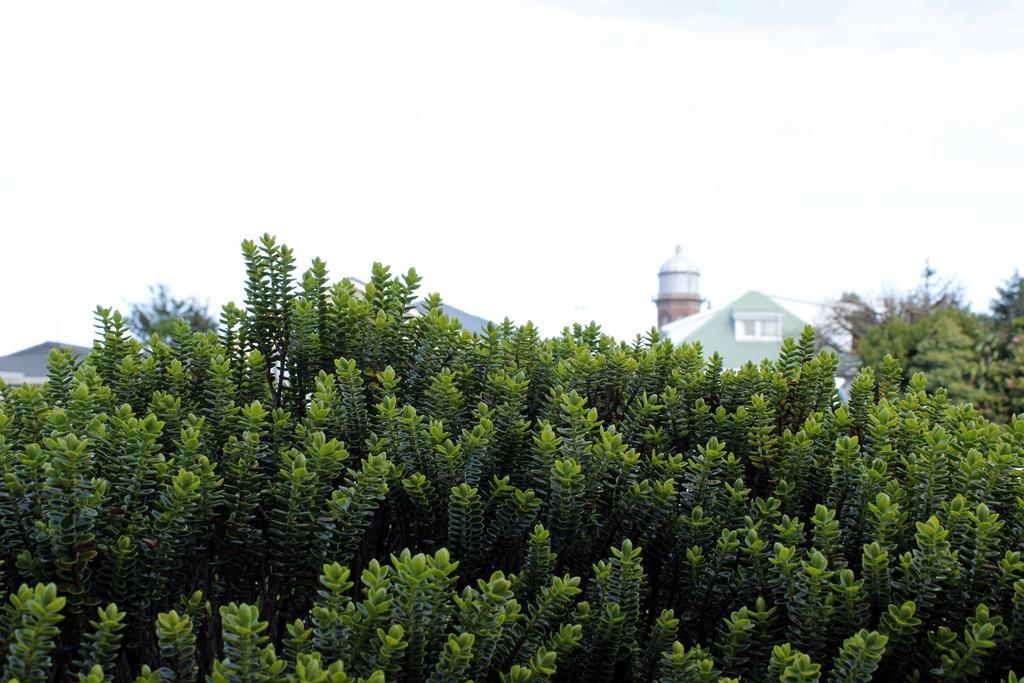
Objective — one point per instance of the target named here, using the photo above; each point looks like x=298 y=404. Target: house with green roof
x=750 y=329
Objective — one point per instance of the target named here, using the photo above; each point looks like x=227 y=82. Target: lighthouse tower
x=678 y=289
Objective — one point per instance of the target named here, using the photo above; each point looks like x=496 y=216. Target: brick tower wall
x=674 y=308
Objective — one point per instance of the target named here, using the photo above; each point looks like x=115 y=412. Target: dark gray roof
x=31 y=362
x=470 y=322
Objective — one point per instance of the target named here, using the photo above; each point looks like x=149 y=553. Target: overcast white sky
x=531 y=159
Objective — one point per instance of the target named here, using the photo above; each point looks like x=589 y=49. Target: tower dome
x=679 y=275
x=678 y=289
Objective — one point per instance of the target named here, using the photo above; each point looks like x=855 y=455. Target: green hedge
x=331 y=488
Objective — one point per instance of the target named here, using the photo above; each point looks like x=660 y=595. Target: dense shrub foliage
x=331 y=488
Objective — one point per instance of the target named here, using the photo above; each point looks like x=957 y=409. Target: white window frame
x=758 y=319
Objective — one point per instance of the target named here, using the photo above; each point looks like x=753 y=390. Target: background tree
x=1007 y=344
x=852 y=316
x=947 y=346
x=157 y=315
x=977 y=357
x=1008 y=306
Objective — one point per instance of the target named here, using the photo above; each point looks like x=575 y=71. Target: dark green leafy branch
x=336 y=486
